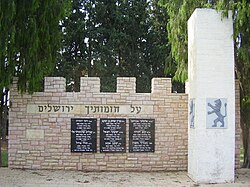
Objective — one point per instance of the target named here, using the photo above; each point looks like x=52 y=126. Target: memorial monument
x=91 y=130
x=211 y=136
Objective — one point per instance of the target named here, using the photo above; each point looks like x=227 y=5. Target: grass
x=5 y=158
x=241 y=155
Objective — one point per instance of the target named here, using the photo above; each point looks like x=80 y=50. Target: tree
x=114 y=38
x=29 y=41
x=179 y=12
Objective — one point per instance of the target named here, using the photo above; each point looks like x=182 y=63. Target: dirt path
x=45 y=178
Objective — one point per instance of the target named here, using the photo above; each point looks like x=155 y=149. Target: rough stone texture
x=161 y=86
x=126 y=84
x=90 y=84
x=53 y=150
x=55 y=84
x=237 y=125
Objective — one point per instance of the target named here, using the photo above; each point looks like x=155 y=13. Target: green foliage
x=29 y=40
x=4 y=158
x=114 y=38
x=179 y=12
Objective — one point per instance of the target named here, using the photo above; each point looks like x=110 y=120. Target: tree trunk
x=1 y=120
x=246 y=145
x=0 y=152
x=4 y=129
x=5 y=115
x=89 y=68
x=248 y=151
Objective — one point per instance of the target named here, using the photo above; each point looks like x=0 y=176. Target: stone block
x=90 y=84
x=161 y=86
x=126 y=85
x=54 y=84
x=35 y=134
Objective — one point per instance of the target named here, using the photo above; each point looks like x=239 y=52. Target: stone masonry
x=40 y=126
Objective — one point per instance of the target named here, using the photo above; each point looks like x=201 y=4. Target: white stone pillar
x=211 y=136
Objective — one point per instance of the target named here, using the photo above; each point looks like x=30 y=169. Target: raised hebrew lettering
x=96 y=109
x=116 y=109
x=89 y=109
x=132 y=108
x=138 y=109
x=135 y=109
x=40 y=108
x=92 y=108
x=106 y=109
x=68 y=108
x=101 y=109
x=54 y=108
x=49 y=108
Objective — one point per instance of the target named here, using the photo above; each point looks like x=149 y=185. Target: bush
x=5 y=158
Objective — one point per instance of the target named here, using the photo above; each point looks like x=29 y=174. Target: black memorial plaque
x=83 y=135
x=112 y=135
x=141 y=135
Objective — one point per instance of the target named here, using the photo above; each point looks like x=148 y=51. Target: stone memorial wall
x=94 y=131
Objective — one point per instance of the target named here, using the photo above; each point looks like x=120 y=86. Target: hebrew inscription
x=89 y=109
x=83 y=135
x=102 y=109
x=135 y=109
x=55 y=108
x=141 y=135
x=113 y=135
x=217 y=113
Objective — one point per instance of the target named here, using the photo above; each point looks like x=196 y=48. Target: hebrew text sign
x=89 y=109
x=141 y=135
x=83 y=135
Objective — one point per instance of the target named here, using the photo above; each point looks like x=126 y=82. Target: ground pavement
x=45 y=178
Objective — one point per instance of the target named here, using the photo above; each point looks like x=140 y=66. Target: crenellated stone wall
x=40 y=126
